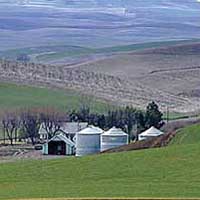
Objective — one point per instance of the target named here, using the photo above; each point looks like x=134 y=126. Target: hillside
x=168 y=75
x=18 y=96
x=148 y=173
x=188 y=135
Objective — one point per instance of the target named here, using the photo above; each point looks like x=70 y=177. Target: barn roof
x=63 y=138
x=67 y=127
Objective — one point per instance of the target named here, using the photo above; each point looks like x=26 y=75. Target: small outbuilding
x=112 y=138
x=150 y=133
x=59 y=145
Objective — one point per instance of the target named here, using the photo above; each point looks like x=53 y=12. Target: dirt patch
x=22 y=152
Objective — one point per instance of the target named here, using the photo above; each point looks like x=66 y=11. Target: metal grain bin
x=114 y=137
x=88 y=141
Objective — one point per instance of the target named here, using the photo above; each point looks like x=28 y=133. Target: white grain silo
x=114 y=137
x=150 y=133
x=88 y=141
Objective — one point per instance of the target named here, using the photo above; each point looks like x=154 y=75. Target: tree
x=153 y=116
x=11 y=124
x=51 y=120
x=31 y=124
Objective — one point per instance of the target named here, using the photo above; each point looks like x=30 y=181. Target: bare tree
x=51 y=121
x=31 y=124
x=11 y=125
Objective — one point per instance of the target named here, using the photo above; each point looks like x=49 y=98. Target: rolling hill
x=167 y=172
x=167 y=74
x=20 y=96
x=188 y=135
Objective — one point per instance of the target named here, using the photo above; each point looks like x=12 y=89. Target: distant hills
x=95 y=23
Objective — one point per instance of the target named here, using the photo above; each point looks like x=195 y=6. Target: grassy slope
x=188 y=135
x=13 y=96
x=167 y=172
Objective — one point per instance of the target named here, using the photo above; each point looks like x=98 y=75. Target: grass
x=15 y=96
x=166 y=172
x=188 y=135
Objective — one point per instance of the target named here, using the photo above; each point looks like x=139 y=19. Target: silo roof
x=152 y=132
x=115 y=132
x=91 y=130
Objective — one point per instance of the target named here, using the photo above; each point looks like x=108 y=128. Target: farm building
x=59 y=145
x=112 y=138
x=88 y=141
x=67 y=128
x=150 y=133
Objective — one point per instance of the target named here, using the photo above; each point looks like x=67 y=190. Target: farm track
x=175 y=69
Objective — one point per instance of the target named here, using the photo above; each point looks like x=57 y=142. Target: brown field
x=170 y=76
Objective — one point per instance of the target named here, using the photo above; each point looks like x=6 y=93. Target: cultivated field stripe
x=107 y=199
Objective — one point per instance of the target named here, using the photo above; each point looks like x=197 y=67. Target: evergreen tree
x=153 y=116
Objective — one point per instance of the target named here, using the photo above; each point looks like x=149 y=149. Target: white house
x=150 y=133
x=59 y=145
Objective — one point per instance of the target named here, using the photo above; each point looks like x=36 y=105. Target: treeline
x=25 y=124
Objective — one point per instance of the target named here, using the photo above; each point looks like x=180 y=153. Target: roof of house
x=67 y=127
x=115 y=132
x=62 y=137
x=151 y=132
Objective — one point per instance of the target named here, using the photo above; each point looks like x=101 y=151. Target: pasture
x=167 y=172
x=18 y=96
x=188 y=135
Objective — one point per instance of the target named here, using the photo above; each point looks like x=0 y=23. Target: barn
x=150 y=133
x=59 y=145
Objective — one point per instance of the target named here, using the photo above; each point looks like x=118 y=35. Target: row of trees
x=26 y=123
x=131 y=120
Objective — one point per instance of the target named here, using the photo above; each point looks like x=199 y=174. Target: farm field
x=147 y=173
x=168 y=75
x=14 y=96
x=71 y=54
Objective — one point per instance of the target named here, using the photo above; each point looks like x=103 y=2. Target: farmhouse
x=68 y=128
x=59 y=145
x=150 y=133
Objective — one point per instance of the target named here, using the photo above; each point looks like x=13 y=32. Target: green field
x=166 y=172
x=188 y=135
x=14 y=96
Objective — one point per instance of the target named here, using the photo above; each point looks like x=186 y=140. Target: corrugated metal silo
x=114 y=137
x=88 y=141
